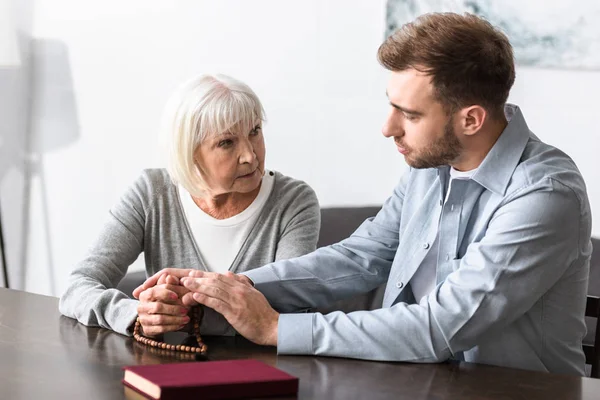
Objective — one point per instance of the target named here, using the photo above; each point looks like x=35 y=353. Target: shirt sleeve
x=355 y=265
x=530 y=242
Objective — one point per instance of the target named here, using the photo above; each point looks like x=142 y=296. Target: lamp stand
x=4 y=266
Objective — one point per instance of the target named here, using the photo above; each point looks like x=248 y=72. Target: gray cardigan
x=149 y=219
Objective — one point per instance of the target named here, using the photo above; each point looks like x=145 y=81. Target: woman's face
x=232 y=162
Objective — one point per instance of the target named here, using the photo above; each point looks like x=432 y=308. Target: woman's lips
x=248 y=175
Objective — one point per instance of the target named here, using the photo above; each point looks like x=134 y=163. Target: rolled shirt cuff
x=295 y=334
x=260 y=275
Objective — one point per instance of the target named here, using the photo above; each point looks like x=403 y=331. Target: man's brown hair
x=469 y=61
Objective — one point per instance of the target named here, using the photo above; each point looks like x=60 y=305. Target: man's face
x=421 y=128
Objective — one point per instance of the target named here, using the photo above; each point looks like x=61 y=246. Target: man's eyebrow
x=404 y=109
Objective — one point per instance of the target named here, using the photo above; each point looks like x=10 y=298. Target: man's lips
x=401 y=149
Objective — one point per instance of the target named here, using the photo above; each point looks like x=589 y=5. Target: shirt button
x=447 y=257
x=399 y=285
x=425 y=246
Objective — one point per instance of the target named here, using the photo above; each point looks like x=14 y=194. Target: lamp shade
x=9 y=48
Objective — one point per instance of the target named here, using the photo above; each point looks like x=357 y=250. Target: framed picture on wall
x=563 y=34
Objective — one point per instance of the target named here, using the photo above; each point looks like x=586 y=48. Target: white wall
x=312 y=63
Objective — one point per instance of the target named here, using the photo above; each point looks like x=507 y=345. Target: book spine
x=233 y=391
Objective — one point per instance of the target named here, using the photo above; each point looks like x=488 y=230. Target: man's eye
x=410 y=117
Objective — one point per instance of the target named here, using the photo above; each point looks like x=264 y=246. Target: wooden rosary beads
x=196 y=318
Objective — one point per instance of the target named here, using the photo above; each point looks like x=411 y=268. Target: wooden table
x=45 y=355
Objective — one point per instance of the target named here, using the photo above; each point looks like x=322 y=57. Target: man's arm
x=529 y=244
x=356 y=265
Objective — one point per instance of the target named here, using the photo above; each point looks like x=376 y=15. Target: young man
x=484 y=243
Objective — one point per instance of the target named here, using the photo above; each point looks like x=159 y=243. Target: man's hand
x=233 y=296
x=176 y=273
x=161 y=309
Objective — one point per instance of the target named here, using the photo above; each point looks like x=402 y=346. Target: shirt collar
x=497 y=167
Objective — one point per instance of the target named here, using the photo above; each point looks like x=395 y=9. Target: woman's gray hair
x=201 y=108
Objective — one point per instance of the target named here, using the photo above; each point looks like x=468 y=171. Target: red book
x=232 y=379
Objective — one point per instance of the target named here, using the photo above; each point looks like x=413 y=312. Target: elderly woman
x=215 y=209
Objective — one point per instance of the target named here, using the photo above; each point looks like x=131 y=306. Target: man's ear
x=472 y=119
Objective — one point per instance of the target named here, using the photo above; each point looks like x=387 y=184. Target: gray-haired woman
x=215 y=208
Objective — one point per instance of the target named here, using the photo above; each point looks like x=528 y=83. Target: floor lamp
x=9 y=58
x=4 y=266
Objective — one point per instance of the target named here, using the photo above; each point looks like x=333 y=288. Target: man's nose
x=392 y=125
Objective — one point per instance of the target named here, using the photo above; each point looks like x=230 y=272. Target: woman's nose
x=247 y=154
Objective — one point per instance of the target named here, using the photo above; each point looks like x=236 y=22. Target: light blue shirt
x=512 y=268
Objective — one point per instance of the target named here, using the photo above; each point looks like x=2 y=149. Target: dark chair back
x=592 y=351
x=338 y=223
x=591 y=343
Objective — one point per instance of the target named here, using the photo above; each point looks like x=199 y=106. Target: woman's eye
x=256 y=130
x=225 y=143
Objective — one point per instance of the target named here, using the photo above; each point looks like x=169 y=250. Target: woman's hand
x=152 y=281
x=161 y=309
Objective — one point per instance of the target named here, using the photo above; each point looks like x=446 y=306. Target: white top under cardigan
x=220 y=240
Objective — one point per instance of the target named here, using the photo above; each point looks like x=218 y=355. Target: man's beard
x=441 y=152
